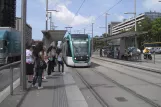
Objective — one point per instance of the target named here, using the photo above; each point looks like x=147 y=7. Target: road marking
x=6 y=92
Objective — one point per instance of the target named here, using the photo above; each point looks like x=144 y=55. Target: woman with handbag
x=40 y=65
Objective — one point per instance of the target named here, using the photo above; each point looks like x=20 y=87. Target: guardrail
x=11 y=70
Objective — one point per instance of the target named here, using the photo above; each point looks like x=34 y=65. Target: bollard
x=11 y=84
x=154 y=57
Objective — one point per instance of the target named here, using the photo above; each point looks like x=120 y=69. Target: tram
x=76 y=49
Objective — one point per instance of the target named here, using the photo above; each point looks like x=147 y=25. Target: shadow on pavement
x=94 y=65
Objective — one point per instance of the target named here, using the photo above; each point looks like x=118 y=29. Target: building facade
x=110 y=26
x=28 y=33
x=130 y=23
x=7 y=13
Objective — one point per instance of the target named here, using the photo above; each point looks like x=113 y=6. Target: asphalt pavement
x=5 y=77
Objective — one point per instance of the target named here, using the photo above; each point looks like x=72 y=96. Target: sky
x=92 y=11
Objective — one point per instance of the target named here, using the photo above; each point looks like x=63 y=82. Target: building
x=7 y=13
x=153 y=15
x=130 y=23
x=110 y=26
x=28 y=32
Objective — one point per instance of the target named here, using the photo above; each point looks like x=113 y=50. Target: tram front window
x=80 y=46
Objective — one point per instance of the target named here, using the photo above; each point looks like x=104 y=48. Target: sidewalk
x=58 y=91
x=141 y=65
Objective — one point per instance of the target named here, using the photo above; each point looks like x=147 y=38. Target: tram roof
x=79 y=35
x=126 y=34
x=56 y=35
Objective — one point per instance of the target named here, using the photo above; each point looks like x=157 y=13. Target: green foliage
x=145 y=25
x=156 y=29
x=105 y=35
x=99 y=42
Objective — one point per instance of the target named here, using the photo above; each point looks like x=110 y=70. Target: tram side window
x=68 y=51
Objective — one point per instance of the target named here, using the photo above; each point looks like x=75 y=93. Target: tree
x=156 y=29
x=105 y=35
x=144 y=26
x=96 y=36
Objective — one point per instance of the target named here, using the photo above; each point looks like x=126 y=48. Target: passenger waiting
x=51 y=52
x=60 y=62
x=29 y=64
x=39 y=65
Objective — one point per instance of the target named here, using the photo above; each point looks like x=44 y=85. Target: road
x=5 y=77
x=107 y=84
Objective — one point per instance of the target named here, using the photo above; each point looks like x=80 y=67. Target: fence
x=11 y=73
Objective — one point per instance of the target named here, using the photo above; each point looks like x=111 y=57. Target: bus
x=153 y=46
x=76 y=50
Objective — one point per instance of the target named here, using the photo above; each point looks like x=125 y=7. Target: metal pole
x=106 y=24
x=70 y=30
x=50 y=20
x=135 y=23
x=92 y=38
x=154 y=57
x=23 y=44
x=11 y=84
x=46 y=14
x=84 y=31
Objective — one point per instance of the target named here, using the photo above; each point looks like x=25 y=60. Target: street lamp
x=50 y=19
x=50 y=11
x=92 y=37
x=105 y=23
x=47 y=11
x=135 y=20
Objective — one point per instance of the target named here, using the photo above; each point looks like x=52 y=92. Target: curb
x=134 y=66
x=23 y=97
x=5 y=96
x=6 y=92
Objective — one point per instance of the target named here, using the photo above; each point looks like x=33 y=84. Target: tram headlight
x=75 y=58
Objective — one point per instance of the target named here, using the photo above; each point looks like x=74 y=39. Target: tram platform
x=59 y=91
x=149 y=66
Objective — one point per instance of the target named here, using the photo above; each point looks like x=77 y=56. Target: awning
x=55 y=35
x=126 y=34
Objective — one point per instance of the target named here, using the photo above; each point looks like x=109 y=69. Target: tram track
x=92 y=90
x=141 y=68
x=134 y=77
x=147 y=100
x=147 y=73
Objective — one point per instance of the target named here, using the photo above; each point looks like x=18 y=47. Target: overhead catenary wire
x=78 y=11
x=105 y=12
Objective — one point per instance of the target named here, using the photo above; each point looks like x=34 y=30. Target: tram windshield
x=80 y=46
